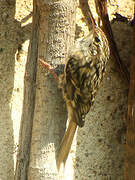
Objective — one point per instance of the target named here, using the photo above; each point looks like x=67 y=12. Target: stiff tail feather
x=66 y=144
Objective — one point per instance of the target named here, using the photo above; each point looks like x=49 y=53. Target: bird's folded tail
x=66 y=144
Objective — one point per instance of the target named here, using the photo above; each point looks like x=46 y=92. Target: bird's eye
x=97 y=39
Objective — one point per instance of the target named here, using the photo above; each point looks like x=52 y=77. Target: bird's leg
x=49 y=67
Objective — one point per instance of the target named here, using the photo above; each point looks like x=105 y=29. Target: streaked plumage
x=83 y=74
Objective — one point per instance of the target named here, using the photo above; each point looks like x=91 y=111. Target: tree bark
x=29 y=101
x=56 y=34
x=130 y=146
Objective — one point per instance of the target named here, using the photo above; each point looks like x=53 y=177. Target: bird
x=83 y=73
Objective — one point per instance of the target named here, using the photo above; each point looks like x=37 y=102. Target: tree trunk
x=130 y=146
x=56 y=34
x=29 y=101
